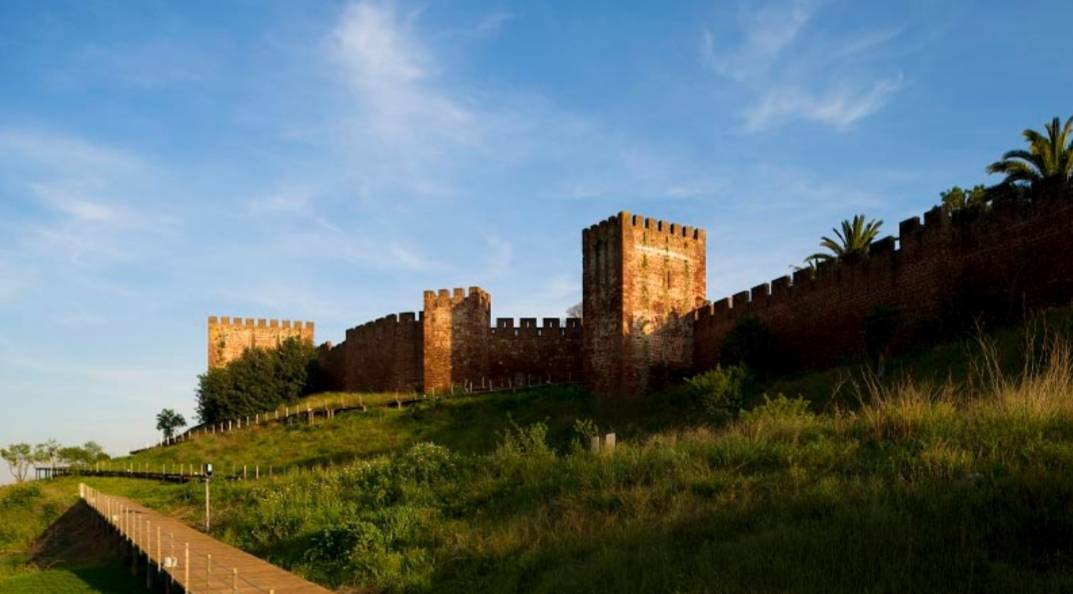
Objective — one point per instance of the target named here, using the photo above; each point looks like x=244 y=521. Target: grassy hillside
x=462 y=423
x=953 y=474
x=43 y=546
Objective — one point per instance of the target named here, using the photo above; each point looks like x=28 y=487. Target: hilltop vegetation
x=951 y=474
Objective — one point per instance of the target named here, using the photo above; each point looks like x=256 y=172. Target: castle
x=646 y=318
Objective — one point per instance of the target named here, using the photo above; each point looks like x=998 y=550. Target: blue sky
x=161 y=162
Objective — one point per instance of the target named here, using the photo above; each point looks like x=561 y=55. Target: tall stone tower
x=641 y=280
x=456 y=337
x=230 y=337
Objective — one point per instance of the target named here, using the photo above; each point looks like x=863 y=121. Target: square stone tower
x=230 y=337
x=457 y=337
x=642 y=278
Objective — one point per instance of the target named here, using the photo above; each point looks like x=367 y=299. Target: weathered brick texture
x=230 y=337
x=456 y=337
x=450 y=343
x=642 y=279
x=529 y=353
x=645 y=315
x=936 y=275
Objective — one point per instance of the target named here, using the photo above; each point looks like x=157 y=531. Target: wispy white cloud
x=765 y=34
x=787 y=71
x=493 y=23
x=839 y=108
x=402 y=108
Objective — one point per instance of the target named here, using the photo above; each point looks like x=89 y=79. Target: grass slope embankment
x=470 y=423
x=46 y=545
x=953 y=476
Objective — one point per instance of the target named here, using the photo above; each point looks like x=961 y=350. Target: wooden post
x=609 y=443
x=594 y=444
x=234 y=580
x=148 y=557
x=186 y=568
x=244 y=475
x=257 y=472
x=159 y=548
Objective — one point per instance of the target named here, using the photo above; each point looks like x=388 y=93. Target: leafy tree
x=956 y=198
x=168 y=421
x=259 y=380
x=18 y=456
x=47 y=453
x=94 y=451
x=853 y=241
x=1048 y=162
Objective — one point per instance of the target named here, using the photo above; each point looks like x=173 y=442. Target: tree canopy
x=167 y=421
x=259 y=380
x=1047 y=163
x=853 y=241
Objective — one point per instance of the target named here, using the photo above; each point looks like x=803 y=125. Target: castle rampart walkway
x=166 y=549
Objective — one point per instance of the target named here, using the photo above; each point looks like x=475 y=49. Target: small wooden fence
x=329 y=406
x=174 y=554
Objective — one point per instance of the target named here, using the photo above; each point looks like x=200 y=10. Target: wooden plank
x=229 y=570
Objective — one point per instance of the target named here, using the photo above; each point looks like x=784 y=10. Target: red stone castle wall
x=230 y=337
x=936 y=274
x=530 y=353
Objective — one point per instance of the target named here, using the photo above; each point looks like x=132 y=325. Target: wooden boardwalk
x=168 y=550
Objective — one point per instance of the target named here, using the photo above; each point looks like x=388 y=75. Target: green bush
x=721 y=391
x=258 y=381
x=777 y=409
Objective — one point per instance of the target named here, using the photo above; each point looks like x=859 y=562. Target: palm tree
x=853 y=241
x=168 y=421
x=1048 y=160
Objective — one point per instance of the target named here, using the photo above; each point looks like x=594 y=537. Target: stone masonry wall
x=230 y=337
x=642 y=279
x=530 y=353
x=936 y=275
x=384 y=355
x=456 y=337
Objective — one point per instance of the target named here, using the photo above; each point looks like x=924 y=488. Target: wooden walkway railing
x=167 y=549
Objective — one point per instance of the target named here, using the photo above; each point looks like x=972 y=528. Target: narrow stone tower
x=641 y=280
x=456 y=337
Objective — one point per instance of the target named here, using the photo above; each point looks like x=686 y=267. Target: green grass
x=103 y=579
x=463 y=423
x=26 y=511
x=954 y=474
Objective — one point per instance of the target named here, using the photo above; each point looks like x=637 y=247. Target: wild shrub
x=721 y=391
x=259 y=380
x=584 y=430
x=778 y=416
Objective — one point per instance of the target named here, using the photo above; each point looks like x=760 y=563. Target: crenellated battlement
x=229 y=337
x=258 y=323
x=456 y=296
x=940 y=265
x=637 y=222
x=646 y=317
x=551 y=327
x=916 y=241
